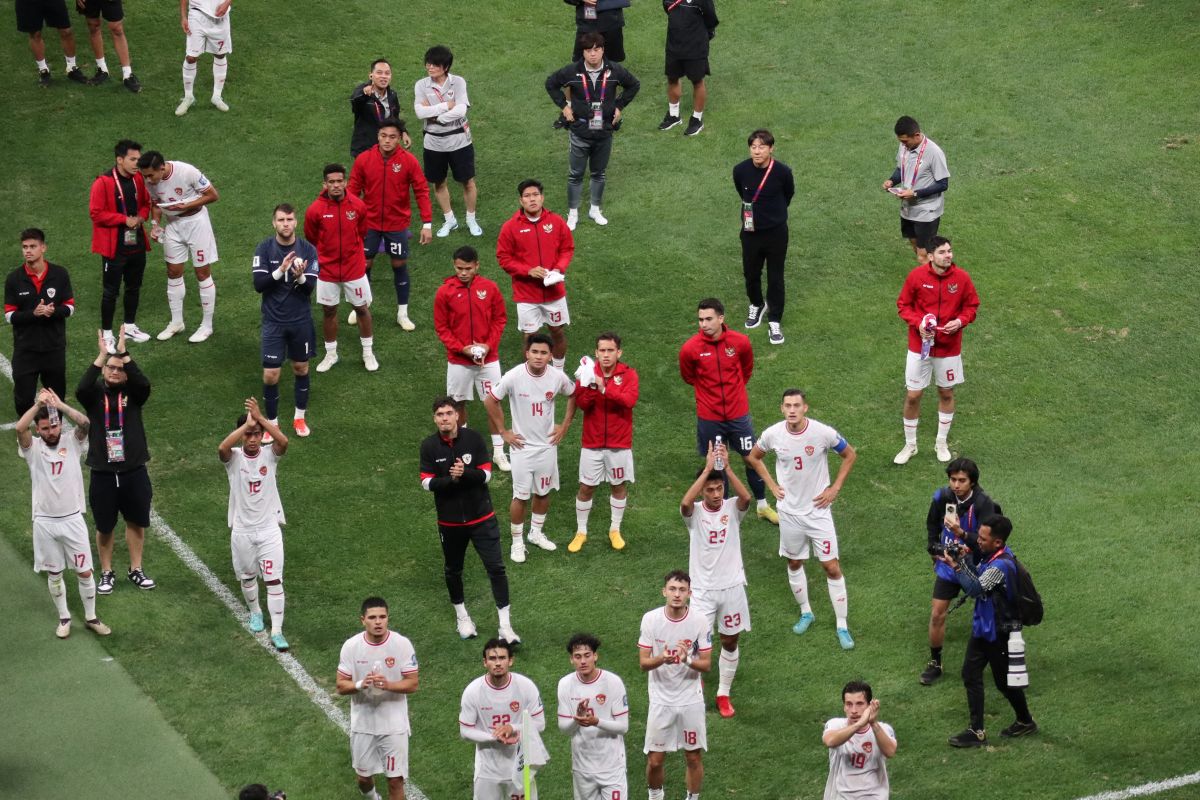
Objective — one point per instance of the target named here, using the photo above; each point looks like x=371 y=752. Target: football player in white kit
x=255 y=514
x=378 y=669
x=593 y=708
x=490 y=716
x=60 y=535
x=675 y=647
x=714 y=526
x=179 y=193
x=531 y=389
x=206 y=25
x=805 y=495
x=859 y=747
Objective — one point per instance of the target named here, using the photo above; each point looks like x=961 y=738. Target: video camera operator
x=993 y=584
x=953 y=520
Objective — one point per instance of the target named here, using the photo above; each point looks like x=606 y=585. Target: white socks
x=505 y=615
x=517 y=530
x=497 y=443
x=250 y=593
x=208 y=301
x=460 y=611
x=727 y=668
x=331 y=348
x=102 y=65
x=368 y=343
x=220 y=69
x=175 y=294
x=536 y=521
x=451 y=219
x=189 y=78
x=655 y=794
x=799 y=583
x=583 y=509
x=126 y=71
x=910 y=430
x=275 y=601
x=470 y=216
x=70 y=63
x=944 y=421
x=837 y=596
x=617 y=507
x=58 y=593
x=87 y=593
x=673 y=109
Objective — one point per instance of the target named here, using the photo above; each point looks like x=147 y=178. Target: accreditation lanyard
x=130 y=234
x=748 y=206
x=587 y=95
x=596 y=121
x=114 y=439
x=671 y=7
x=916 y=166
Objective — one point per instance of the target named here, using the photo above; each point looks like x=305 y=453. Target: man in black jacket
x=372 y=102
x=690 y=25
x=117 y=456
x=599 y=91
x=37 y=301
x=606 y=17
x=456 y=467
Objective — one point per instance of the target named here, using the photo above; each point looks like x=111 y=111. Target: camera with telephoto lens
x=952 y=550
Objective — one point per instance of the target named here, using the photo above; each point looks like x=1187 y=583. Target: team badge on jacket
x=466 y=458
x=548 y=227
x=729 y=351
x=51 y=292
x=952 y=288
x=396 y=167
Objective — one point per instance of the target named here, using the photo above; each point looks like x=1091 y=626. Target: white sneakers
x=403 y=321
x=572 y=218
x=518 y=551
x=327 y=362
x=200 y=334
x=908 y=451
x=474 y=228
x=466 y=628
x=597 y=217
x=942 y=450
x=541 y=541
x=369 y=360
x=509 y=635
x=110 y=343
x=135 y=334
x=169 y=331
x=447 y=226
x=219 y=103
x=187 y=102
x=501 y=459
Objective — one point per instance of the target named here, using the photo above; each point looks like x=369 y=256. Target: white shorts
x=670 y=728
x=469 y=383
x=356 y=292
x=946 y=372
x=61 y=543
x=208 y=35
x=798 y=531
x=258 y=553
x=372 y=753
x=605 y=466
x=600 y=787
x=486 y=789
x=532 y=316
x=534 y=471
x=190 y=237
x=728 y=608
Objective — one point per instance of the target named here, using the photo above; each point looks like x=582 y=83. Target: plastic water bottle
x=1018 y=677
x=720 y=462
x=52 y=415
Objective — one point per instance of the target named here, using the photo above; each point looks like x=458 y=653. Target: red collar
x=36 y=279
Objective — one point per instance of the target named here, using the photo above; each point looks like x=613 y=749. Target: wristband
x=360 y=684
x=277 y=274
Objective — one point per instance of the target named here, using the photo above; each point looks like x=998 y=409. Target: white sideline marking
x=291 y=666
x=8 y=426
x=1154 y=787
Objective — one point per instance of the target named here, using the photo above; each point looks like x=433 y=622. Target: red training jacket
x=463 y=315
x=336 y=229
x=608 y=415
x=718 y=369
x=107 y=220
x=524 y=245
x=384 y=183
x=946 y=297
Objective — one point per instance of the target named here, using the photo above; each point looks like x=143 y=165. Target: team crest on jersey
x=548 y=227
x=481 y=294
x=514 y=706
x=617 y=380
x=351 y=215
x=809 y=450
x=396 y=168
x=62 y=451
x=51 y=292
x=178 y=192
x=724 y=519
x=262 y=470
x=867 y=747
x=389 y=662
x=466 y=458
x=686 y=643
x=729 y=351
x=549 y=395
x=601 y=699
x=952 y=288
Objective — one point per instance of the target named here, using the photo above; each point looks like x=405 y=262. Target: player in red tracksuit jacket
x=718 y=363
x=606 y=391
x=535 y=247
x=469 y=317
x=937 y=301
x=385 y=177
x=335 y=224
x=119 y=205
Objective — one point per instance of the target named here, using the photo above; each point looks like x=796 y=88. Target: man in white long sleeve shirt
x=440 y=102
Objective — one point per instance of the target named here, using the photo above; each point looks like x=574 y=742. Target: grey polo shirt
x=930 y=169
x=435 y=117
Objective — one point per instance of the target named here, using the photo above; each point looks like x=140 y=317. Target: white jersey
x=206 y=7
x=484 y=707
x=378 y=711
x=56 y=475
x=184 y=184
x=801 y=466
x=715 y=554
x=595 y=751
x=675 y=684
x=857 y=770
x=253 y=494
x=531 y=401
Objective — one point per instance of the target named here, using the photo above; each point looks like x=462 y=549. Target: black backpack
x=1029 y=609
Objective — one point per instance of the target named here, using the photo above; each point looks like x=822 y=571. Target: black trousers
x=486 y=538
x=130 y=268
x=982 y=653
x=28 y=367
x=769 y=247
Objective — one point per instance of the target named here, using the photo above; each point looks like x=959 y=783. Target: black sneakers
x=100 y=77
x=669 y=122
x=44 y=78
x=76 y=74
x=933 y=671
x=695 y=125
x=754 y=316
x=774 y=333
x=1019 y=728
x=107 y=579
x=134 y=85
x=968 y=738
x=139 y=579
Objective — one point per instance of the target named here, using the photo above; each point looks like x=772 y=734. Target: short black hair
x=793 y=392
x=937 y=241
x=857 y=687
x=677 y=575
x=528 y=182
x=610 y=336
x=762 y=134
x=907 y=126
x=151 y=159
x=124 y=146
x=286 y=208
x=591 y=39
x=443 y=401
x=373 y=602
x=331 y=169
x=964 y=465
x=497 y=644
x=391 y=122
x=713 y=475
x=379 y=61
x=33 y=233
x=713 y=304
x=440 y=56
x=583 y=640
x=1000 y=525
x=466 y=253
x=539 y=338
